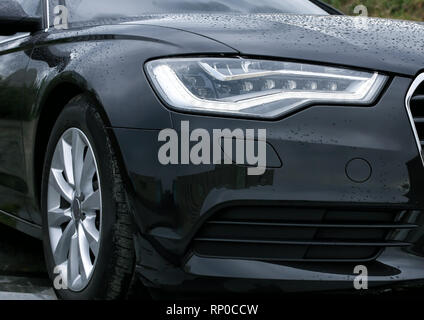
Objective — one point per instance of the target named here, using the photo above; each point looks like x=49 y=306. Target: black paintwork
x=9 y=26
x=310 y=148
x=14 y=19
x=376 y=44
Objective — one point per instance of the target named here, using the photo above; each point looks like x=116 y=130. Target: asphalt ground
x=23 y=275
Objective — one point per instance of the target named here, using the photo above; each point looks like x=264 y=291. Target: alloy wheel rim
x=74 y=204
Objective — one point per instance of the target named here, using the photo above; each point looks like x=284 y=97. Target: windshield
x=79 y=11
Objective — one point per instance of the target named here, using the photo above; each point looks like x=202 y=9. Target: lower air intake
x=301 y=234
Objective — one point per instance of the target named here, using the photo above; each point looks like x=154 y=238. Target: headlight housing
x=257 y=88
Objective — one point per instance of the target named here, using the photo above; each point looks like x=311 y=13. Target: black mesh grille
x=300 y=234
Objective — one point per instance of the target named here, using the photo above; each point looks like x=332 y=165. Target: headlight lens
x=257 y=88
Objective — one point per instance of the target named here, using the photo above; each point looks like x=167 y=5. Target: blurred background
x=396 y=9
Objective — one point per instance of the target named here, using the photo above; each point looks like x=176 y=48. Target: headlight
x=257 y=88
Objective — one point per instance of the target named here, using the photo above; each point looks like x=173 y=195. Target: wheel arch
x=53 y=101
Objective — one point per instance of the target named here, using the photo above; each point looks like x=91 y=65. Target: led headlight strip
x=256 y=88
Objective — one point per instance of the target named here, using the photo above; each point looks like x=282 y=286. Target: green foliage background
x=397 y=9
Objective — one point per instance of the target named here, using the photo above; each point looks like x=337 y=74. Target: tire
x=112 y=256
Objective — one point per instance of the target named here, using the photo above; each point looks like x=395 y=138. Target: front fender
x=108 y=62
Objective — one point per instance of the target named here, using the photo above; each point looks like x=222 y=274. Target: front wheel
x=86 y=218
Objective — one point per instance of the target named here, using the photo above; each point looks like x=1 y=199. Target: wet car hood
x=377 y=44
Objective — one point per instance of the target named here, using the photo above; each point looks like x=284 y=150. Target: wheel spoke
x=91 y=233
x=91 y=202
x=73 y=261
x=58 y=216
x=88 y=171
x=78 y=146
x=61 y=186
x=66 y=156
x=84 y=252
x=62 y=248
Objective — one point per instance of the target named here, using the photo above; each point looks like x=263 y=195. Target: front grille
x=416 y=107
x=300 y=234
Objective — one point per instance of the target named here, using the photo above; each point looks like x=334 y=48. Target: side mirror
x=13 y=19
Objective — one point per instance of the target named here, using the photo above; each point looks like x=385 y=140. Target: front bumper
x=310 y=165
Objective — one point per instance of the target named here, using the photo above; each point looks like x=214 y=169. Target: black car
x=105 y=107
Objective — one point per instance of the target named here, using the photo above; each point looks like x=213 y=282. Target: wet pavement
x=22 y=272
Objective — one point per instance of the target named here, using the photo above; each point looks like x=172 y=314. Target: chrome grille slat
x=414 y=103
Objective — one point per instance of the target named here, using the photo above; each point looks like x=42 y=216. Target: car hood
x=379 y=44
